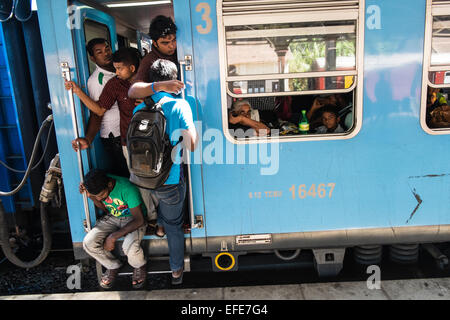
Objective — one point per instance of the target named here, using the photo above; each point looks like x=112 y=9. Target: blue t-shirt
x=178 y=118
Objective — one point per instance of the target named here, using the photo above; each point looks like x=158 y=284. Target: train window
x=94 y=29
x=277 y=51
x=435 y=112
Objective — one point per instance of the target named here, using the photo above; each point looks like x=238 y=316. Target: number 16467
x=322 y=190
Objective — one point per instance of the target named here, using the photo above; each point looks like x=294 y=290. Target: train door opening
x=124 y=26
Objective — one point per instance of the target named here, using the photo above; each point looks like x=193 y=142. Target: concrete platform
x=417 y=289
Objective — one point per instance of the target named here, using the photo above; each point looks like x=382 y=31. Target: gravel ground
x=48 y=277
x=51 y=277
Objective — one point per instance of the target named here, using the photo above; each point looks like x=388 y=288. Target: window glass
x=290 y=85
x=440 y=44
x=293 y=67
x=291 y=48
x=437 y=111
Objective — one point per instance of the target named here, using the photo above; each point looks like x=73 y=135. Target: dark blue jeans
x=170 y=214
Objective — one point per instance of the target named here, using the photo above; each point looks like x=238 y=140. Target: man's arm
x=259 y=127
x=137 y=222
x=190 y=138
x=140 y=90
x=93 y=128
x=90 y=104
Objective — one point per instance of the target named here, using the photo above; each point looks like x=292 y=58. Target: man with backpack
x=154 y=131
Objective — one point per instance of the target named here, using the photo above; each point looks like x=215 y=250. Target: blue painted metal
x=39 y=82
x=57 y=43
x=378 y=174
x=185 y=48
x=372 y=171
x=17 y=116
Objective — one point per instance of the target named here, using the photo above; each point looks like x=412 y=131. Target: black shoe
x=177 y=281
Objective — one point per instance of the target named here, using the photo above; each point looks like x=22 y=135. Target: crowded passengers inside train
x=291 y=115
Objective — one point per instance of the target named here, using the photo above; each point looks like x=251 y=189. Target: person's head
x=330 y=118
x=100 y=52
x=432 y=90
x=242 y=108
x=98 y=184
x=163 y=70
x=126 y=62
x=163 y=34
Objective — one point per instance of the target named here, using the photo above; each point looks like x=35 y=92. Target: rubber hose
x=6 y=247
x=33 y=155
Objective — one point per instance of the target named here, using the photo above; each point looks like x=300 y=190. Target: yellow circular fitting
x=233 y=261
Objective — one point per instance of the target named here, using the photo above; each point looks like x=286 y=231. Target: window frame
x=441 y=8
x=286 y=15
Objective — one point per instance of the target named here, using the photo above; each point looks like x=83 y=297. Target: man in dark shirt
x=164 y=46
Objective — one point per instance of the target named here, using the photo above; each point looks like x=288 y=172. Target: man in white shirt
x=109 y=124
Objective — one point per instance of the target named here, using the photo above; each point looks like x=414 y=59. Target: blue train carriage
x=383 y=181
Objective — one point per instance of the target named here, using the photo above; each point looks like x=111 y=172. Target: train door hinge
x=187 y=62
x=198 y=222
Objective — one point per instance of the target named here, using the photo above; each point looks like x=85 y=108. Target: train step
x=157 y=265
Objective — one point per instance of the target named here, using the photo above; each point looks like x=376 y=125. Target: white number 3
x=205 y=17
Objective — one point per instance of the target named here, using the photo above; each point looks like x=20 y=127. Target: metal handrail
x=66 y=75
x=194 y=225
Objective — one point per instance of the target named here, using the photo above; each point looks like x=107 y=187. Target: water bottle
x=303 y=125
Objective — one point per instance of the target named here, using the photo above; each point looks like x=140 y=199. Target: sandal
x=139 y=277
x=108 y=278
x=160 y=232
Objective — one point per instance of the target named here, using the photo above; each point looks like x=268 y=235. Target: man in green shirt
x=124 y=217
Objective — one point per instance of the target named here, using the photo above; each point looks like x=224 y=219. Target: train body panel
x=58 y=48
x=376 y=179
x=386 y=181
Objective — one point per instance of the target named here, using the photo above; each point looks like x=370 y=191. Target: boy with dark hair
x=100 y=53
x=123 y=204
x=179 y=123
x=164 y=45
x=161 y=27
x=330 y=120
x=126 y=62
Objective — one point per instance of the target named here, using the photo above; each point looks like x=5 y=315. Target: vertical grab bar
x=66 y=75
x=186 y=64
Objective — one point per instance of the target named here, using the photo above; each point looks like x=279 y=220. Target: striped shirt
x=116 y=90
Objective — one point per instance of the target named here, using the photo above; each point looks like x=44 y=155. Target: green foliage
x=306 y=53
